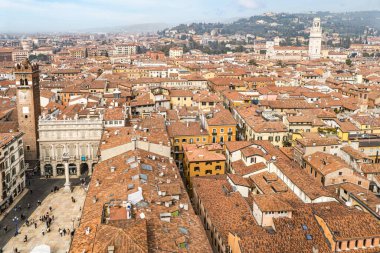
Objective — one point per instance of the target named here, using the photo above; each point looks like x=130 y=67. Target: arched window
x=21 y=82
x=26 y=81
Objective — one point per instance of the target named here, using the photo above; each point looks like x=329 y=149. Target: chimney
x=111 y=249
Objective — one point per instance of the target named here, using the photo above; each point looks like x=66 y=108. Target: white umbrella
x=41 y=249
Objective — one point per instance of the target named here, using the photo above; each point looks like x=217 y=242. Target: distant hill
x=288 y=25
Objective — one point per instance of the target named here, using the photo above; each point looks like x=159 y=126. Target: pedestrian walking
x=25 y=238
x=43 y=232
x=28 y=205
x=50 y=208
x=35 y=225
x=6 y=228
x=60 y=232
x=64 y=232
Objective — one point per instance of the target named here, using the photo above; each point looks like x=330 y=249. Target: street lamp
x=65 y=159
x=15 y=221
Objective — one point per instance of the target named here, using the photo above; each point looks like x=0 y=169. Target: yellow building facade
x=201 y=160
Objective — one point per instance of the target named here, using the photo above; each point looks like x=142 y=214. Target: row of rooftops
x=143 y=198
x=232 y=215
x=114 y=205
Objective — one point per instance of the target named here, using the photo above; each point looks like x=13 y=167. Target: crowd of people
x=44 y=222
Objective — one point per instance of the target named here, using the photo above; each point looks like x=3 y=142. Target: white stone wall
x=158 y=149
x=78 y=137
x=243 y=190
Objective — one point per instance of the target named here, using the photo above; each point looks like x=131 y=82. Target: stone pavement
x=64 y=211
x=38 y=189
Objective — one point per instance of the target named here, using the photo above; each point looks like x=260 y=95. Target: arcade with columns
x=78 y=163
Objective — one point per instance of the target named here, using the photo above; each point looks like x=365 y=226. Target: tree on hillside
x=252 y=62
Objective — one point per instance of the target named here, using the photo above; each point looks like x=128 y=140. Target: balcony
x=214 y=133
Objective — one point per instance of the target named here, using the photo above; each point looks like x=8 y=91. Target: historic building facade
x=12 y=168
x=79 y=138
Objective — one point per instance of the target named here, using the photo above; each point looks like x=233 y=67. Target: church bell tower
x=315 y=40
x=28 y=106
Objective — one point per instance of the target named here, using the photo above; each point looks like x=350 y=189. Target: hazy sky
x=71 y=15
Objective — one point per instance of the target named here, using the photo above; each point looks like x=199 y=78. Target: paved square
x=64 y=211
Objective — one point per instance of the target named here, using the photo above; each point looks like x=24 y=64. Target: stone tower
x=28 y=106
x=363 y=102
x=315 y=41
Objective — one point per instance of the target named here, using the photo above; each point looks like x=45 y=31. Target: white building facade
x=79 y=138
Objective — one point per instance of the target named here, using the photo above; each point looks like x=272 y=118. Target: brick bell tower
x=28 y=106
